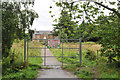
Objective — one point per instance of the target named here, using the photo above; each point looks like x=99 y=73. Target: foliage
x=108 y=69
x=65 y=25
x=17 y=69
x=86 y=32
x=28 y=73
x=14 y=24
x=108 y=30
x=62 y=35
x=90 y=55
x=85 y=72
x=15 y=20
x=94 y=24
x=89 y=68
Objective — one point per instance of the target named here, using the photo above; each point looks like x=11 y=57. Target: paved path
x=50 y=59
x=56 y=71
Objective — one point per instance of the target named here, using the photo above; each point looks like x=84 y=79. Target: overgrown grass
x=85 y=72
x=19 y=69
x=35 y=60
x=96 y=68
x=108 y=70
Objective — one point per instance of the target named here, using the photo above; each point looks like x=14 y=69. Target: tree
x=65 y=24
x=62 y=35
x=108 y=30
x=14 y=23
x=117 y=12
x=102 y=25
x=86 y=32
x=87 y=6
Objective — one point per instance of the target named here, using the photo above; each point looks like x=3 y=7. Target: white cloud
x=44 y=22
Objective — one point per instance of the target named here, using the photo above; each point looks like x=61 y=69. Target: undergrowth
x=15 y=68
x=93 y=65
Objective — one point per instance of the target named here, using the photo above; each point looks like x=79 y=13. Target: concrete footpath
x=54 y=71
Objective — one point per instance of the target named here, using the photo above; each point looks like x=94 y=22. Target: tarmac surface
x=54 y=71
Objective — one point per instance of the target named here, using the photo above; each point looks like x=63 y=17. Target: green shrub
x=90 y=55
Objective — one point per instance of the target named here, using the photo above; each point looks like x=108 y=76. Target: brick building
x=43 y=35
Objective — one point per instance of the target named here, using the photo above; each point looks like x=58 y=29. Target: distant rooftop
x=43 y=32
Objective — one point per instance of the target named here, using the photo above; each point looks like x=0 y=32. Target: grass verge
x=93 y=66
x=18 y=69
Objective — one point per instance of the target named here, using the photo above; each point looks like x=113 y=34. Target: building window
x=37 y=36
x=37 y=31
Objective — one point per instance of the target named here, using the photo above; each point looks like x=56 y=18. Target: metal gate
x=68 y=48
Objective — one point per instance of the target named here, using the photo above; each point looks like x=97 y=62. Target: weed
x=90 y=55
x=17 y=69
x=104 y=69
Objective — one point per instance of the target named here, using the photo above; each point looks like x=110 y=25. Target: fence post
x=24 y=49
x=80 y=53
x=45 y=52
x=97 y=54
x=27 y=49
x=62 y=52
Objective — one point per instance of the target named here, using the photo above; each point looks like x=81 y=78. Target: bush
x=90 y=55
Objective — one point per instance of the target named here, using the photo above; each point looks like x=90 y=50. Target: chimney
x=35 y=30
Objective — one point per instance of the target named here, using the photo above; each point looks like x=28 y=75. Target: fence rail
x=54 y=48
x=26 y=49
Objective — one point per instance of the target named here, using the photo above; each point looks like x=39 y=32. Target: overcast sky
x=44 y=21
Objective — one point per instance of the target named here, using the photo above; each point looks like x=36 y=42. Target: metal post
x=27 y=49
x=24 y=49
x=45 y=54
x=97 y=53
x=80 y=53
x=62 y=52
